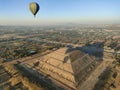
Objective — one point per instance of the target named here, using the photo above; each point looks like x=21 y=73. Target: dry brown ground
x=117 y=80
x=17 y=81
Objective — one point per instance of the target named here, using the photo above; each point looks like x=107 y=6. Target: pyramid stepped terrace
x=69 y=67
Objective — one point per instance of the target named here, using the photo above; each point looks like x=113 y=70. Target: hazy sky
x=60 y=11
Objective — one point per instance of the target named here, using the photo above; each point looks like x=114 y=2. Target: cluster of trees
x=107 y=80
x=114 y=45
x=75 y=35
x=22 y=48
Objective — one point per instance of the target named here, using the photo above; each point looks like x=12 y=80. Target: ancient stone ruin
x=68 y=67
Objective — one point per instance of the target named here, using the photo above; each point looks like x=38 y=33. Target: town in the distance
x=60 y=57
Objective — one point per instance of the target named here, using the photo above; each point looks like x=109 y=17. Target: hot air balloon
x=34 y=8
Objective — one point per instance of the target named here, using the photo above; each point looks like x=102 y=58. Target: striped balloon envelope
x=34 y=8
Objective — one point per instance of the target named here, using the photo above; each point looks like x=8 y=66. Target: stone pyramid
x=67 y=66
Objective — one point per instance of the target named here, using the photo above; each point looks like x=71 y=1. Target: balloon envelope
x=34 y=8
